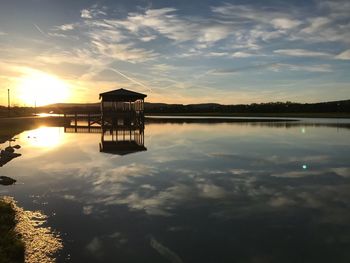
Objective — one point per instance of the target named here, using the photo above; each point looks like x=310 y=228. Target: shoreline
x=12 y=246
x=30 y=241
x=35 y=120
x=257 y=115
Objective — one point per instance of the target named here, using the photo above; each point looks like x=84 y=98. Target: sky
x=192 y=51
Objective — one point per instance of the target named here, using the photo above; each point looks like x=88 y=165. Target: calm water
x=227 y=192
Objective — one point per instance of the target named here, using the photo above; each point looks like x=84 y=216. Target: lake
x=201 y=192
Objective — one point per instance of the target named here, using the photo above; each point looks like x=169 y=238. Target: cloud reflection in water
x=225 y=184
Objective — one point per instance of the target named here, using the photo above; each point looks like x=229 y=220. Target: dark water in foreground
x=230 y=192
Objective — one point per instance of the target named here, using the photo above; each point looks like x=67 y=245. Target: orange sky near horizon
x=34 y=87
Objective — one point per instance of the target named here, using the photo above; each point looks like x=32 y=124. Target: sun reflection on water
x=45 y=137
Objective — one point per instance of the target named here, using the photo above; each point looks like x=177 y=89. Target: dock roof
x=122 y=95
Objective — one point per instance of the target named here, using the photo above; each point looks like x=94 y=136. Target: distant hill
x=71 y=105
x=342 y=106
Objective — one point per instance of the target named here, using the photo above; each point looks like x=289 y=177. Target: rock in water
x=4 y=180
x=9 y=149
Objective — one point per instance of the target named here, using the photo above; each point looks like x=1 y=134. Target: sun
x=38 y=88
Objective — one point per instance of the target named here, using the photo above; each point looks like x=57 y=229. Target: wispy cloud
x=66 y=27
x=276 y=67
x=241 y=54
x=293 y=67
x=345 y=55
x=163 y=21
x=285 y=23
x=316 y=24
x=302 y=53
x=225 y=71
x=93 y=12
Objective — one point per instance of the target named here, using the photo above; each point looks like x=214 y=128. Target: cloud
x=241 y=14
x=164 y=67
x=85 y=13
x=342 y=171
x=277 y=67
x=293 y=67
x=245 y=26
x=104 y=42
x=170 y=255
x=95 y=247
x=301 y=53
x=285 y=23
x=167 y=23
x=316 y=24
x=125 y=52
x=213 y=33
x=148 y=38
x=218 y=54
x=282 y=201
x=162 y=21
x=93 y=12
x=241 y=54
x=209 y=190
x=345 y=55
x=328 y=23
x=225 y=71
x=66 y=27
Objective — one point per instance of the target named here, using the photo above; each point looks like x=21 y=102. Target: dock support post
x=76 y=122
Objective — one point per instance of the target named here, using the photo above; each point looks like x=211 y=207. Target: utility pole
x=8 y=102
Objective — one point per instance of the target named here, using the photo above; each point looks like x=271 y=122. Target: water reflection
x=118 y=136
x=201 y=193
x=122 y=141
x=44 y=137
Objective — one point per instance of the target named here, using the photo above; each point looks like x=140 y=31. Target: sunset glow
x=39 y=89
x=182 y=52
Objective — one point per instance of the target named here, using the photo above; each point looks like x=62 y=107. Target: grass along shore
x=11 y=243
x=23 y=238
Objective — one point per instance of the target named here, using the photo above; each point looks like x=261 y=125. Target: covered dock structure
x=122 y=108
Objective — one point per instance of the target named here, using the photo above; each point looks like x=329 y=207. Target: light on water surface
x=41 y=243
x=44 y=137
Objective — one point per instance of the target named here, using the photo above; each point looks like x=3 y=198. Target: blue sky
x=180 y=51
